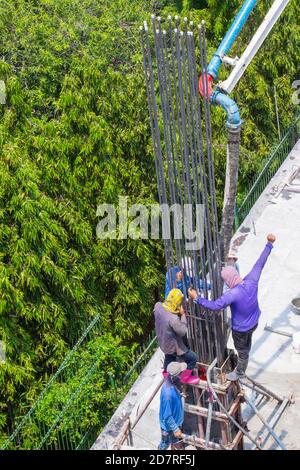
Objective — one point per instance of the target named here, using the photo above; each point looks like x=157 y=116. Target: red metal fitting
x=202 y=373
x=205 y=84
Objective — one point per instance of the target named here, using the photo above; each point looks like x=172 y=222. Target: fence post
x=294 y=135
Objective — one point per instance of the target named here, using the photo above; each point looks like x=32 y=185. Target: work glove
x=193 y=294
x=271 y=238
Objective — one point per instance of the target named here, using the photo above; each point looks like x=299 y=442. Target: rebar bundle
x=182 y=142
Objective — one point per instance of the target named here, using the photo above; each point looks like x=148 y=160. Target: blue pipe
x=218 y=98
x=230 y=37
x=233 y=115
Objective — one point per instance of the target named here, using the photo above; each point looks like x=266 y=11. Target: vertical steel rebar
x=182 y=142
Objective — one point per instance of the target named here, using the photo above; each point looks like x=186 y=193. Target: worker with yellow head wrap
x=171 y=329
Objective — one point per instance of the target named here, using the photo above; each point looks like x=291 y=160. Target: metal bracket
x=230 y=60
x=255 y=44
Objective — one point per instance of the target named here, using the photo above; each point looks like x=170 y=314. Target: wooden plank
x=122 y=434
x=201 y=427
x=225 y=433
x=236 y=440
x=197 y=442
x=218 y=388
x=235 y=405
x=200 y=411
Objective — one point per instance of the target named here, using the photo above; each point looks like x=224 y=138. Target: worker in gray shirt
x=171 y=329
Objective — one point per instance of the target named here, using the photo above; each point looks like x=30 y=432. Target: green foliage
x=276 y=64
x=75 y=133
x=83 y=396
x=103 y=359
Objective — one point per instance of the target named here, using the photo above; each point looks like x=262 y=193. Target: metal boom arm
x=262 y=33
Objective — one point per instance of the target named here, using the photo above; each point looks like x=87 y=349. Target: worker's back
x=243 y=297
x=171 y=409
x=245 y=308
x=167 y=326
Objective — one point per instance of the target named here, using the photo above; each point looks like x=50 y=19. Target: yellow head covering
x=174 y=301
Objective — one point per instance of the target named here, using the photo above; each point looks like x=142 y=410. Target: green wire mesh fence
x=80 y=397
x=272 y=165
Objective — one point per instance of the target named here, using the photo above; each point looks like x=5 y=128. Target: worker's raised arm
x=256 y=271
x=222 y=302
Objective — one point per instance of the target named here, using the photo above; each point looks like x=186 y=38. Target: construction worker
x=175 y=276
x=171 y=412
x=231 y=260
x=242 y=298
x=171 y=330
x=173 y=279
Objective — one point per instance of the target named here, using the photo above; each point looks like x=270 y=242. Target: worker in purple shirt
x=242 y=298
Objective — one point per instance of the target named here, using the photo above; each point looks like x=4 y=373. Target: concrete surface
x=273 y=362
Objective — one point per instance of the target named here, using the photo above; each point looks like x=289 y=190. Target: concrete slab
x=273 y=361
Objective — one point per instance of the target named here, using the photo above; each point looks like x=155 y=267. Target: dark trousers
x=242 y=343
x=189 y=357
x=168 y=439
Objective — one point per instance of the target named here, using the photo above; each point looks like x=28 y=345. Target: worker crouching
x=171 y=331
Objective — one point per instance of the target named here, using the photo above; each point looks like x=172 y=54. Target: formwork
x=206 y=425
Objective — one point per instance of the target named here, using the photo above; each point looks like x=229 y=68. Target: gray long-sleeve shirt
x=170 y=330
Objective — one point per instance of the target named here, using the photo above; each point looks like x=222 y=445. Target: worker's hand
x=193 y=294
x=271 y=238
x=181 y=311
x=178 y=434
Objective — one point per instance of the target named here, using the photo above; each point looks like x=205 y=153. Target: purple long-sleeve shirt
x=242 y=298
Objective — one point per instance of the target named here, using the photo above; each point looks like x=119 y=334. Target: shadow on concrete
x=279 y=323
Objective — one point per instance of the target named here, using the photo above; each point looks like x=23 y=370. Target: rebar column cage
x=174 y=55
